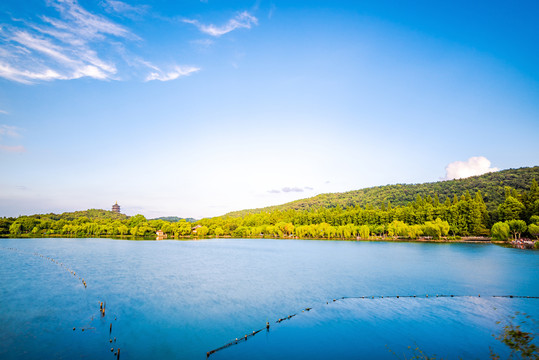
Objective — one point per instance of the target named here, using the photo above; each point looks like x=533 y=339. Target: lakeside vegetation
x=430 y=215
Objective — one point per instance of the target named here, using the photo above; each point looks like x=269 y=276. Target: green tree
x=242 y=231
x=167 y=228
x=364 y=231
x=324 y=230
x=378 y=230
x=15 y=228
x=202 y=231
x=500 y=231
x=436 y=229
x=5 y=223
x=510 y=209
x=414 y=231
x=517 y=227
x=289 y=228
x=531 y=200
x=480 y=215
x=397 y=228
x=136 y=220
x=123 y=230
x=533 y=229
x=219 y=231
x=443 y=226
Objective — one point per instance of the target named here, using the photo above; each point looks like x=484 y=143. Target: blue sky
x=197 y=108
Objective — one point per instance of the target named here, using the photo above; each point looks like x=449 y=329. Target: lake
x=181 y=299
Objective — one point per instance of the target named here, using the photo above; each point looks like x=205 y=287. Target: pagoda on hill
x=116 y=207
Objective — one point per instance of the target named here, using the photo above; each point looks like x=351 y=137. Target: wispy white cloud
x=8 y=130
x=12 y=132
x=157 y=73
x=172 y=75
x=42 y=45
x=119 y=7
x=74 y=44
x=203 y=43
x=27 y=76
x=3 y=112
x=288 y=189
x=242 y=20
x=271 y=11
x=474 y=166
x=90 y=71
x=292 y=189
x=90 y=26
x=58 y=48
x=12 y=149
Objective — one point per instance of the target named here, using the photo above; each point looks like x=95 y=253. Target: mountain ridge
x=492 y=187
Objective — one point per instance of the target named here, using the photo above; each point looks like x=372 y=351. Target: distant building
x=161 y=235
x=116 y=207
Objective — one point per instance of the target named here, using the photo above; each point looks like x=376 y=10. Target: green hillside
x=502 y=204
x=91 y=214
x=491 y=186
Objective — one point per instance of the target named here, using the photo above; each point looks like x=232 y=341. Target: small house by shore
x=161 y=235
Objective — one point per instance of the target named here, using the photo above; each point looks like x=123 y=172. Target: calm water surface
x=180 y=299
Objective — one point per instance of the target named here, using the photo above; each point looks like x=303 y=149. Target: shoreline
x=183 y=238
x=469 y=240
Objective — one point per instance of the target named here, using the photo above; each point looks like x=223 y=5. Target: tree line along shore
x=425 y=218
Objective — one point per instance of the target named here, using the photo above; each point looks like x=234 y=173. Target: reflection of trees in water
x=520 y=342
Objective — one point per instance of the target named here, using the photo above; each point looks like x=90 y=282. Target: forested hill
x=91 y=214
x=497 y=204
x=491 y=186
